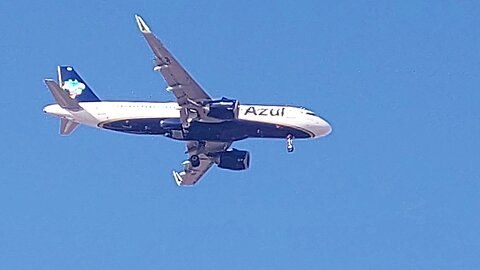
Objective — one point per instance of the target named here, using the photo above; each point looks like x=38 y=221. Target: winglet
x=142 y=25
x=178 y=178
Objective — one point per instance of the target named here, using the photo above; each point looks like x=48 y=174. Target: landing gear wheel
x=290 y=147
x=195 y=161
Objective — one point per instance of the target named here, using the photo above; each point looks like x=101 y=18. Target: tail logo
x=73 y=87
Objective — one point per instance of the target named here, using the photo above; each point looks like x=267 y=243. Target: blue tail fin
x=76 y=87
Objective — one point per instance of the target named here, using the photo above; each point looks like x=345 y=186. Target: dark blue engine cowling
x=224 y=109
x=234 y=160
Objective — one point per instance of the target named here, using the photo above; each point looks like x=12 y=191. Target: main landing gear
x=290 y=147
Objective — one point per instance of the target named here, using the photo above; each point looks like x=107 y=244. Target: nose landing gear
x=290 y=147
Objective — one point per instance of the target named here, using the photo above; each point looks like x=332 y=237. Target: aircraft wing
x=180 y=83
x=205 y=151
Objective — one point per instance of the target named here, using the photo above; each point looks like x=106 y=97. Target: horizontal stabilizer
x=61 y=97
x=67 y=126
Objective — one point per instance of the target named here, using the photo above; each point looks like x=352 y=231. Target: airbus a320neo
x=208 y=126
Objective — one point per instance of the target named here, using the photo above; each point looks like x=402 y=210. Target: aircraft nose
x=47 y=109
x=322 y=128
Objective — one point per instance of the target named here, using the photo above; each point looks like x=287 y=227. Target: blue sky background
x=396 y=185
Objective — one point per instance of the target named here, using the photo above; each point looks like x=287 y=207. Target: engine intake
x=223 y=109
x=234 y=160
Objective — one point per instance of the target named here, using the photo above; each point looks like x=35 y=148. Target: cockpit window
x=307 y=111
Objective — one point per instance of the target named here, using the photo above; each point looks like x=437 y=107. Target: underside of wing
x=201 y=158
x=190 y=175
x=179 y=82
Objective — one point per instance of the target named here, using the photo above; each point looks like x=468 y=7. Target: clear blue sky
x=395 y=186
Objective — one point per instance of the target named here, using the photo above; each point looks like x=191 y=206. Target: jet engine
x=223 y=109
x=233 y=160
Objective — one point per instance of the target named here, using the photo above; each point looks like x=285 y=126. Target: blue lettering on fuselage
x=265 y=111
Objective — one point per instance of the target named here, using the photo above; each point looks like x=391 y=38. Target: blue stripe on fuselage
x=225 y=131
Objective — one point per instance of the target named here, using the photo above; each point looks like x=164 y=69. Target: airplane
x=208 y=126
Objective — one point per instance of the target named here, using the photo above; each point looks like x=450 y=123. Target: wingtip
x=49 y=82
x=141 y=24
x=177 y=177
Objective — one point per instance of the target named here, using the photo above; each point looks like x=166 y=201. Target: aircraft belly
x=227 y=131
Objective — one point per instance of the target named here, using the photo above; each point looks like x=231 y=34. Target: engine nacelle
x=234 y=160
x=223 y=109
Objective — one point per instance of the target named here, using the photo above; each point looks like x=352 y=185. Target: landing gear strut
x=290 y=147
x=187 y=116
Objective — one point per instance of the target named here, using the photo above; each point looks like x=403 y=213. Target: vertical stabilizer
x=76 y=87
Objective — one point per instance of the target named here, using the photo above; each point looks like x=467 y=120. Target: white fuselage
x=96 y=114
